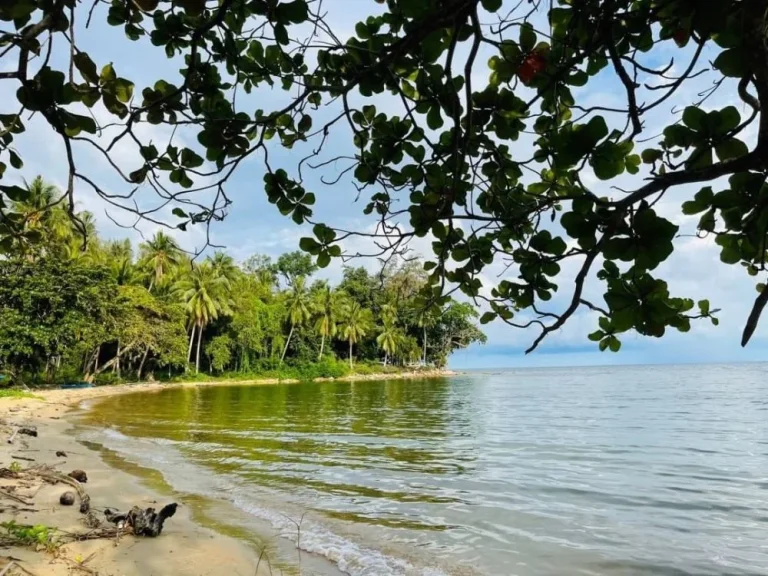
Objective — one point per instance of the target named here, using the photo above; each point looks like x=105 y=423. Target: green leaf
x=608 y=161
x=651 y=155
x=527 y=37
x=15 y=193
x=730 y=149
x=138 y=176
x=179 y=212
x=614 y=343
x=123 y=89
x=692 y=207
x=86 y=67
x=362 y=31
x=729 y=119
x=309 y=245
x=733 y=63
x=148 y=152
x=295 y=12
x=108 y=74
x=693 y=117
x=488 y=317
x=492 y=5
x=704 y=307
x=434 y=120
x=190 y=158
x=699 y=158
x=596 y=336
x=15 y=160
x=305 y=124
x=323 y=259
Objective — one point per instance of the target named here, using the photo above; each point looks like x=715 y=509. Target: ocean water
x=600 y=471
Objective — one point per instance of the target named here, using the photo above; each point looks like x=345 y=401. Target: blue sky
x=253 y=225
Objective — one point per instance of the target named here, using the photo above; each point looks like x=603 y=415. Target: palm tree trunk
x=199 y=340
x=322 y=345
x=350 y=354
x=424 y=358
x=141 y=365
x=386 y=357
x=191 y=341
x=116 y=365
x=287 y=342
x=151 y=284
x=96 y=358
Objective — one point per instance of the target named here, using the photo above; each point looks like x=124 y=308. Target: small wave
x=350 y=557
x=316 y=538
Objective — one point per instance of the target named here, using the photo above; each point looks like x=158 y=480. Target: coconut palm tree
x=298 y=309
x=388 y=339
x=206 y=296
x=43 y=214
x=78 y=238
x=158 y=256
x=355 y=324
x=327 y=304
x=426 y=319
x=41 y=196
x=224 y=265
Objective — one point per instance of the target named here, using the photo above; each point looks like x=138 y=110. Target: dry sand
x=184 y=547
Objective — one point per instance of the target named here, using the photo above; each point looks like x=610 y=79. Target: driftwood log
x=53 y=476
x=22 y=430
x=145 y=522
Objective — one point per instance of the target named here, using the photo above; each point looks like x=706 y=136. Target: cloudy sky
x=255 y=226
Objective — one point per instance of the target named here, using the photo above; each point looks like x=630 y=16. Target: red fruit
x=680 y=37
x=531 y=66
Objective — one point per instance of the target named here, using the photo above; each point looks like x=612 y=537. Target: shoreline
x=184 y=541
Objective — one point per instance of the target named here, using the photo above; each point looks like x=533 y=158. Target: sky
x=253 y=225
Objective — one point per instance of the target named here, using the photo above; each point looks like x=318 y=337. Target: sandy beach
x=184 y=547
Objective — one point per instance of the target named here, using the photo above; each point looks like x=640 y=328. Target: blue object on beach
x=71 y=385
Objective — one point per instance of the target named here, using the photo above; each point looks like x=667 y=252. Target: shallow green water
x=612 y=471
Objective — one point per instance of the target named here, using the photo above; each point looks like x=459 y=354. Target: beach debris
x=22 y=430
x=61 y=454
x=79 y=475
x=50 y=475
x=23 y=458
x=8 y=473
x=91 y=520
x=67 y=498
x=143 y=522
x=7 y=494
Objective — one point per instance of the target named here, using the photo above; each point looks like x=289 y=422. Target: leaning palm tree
x=206 y=296
x=355 y=324
x=327 y=304
x=158 y=256
x=298 y=309
x=388 y=339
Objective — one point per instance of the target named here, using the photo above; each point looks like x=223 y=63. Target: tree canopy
x=108 y=315
x=469 y=122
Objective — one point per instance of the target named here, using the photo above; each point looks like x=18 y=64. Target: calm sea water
x=610 y=471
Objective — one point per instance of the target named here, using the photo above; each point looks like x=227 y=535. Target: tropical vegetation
x=96 y=309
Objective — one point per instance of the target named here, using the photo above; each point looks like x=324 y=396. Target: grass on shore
x=17 y=393
x=303 y=371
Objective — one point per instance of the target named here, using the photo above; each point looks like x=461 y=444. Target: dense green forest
x=75 y=306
